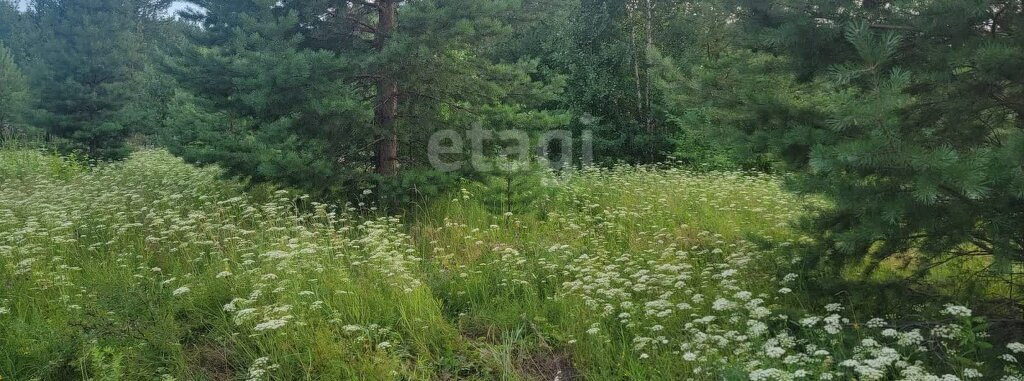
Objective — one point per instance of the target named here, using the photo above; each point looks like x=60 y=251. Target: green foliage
x=87 y=58
x=258 y=103
x=12 y=27
x=103 y=364
x=177 y=273
x=916 y=131
x=410 y=189
x=273 y=101
x=286 y=92
x=515 y=189
x=610 y=82
x=908 y=116
x=14 y=92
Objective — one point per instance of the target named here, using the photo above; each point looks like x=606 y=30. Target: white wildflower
x=876 y=323
x=957 y=311
x=722 y=304
x=270 y=325
x=181 y=291
x=1015 y=347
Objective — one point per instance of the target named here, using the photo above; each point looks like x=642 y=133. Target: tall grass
x=153 y=269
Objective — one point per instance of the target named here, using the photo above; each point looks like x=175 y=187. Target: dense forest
x=886 y=135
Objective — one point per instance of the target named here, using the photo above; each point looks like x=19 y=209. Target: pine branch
x=362 y=26
x=365 y=27
x=894 y=27
x=922 y=272
x=439 y=100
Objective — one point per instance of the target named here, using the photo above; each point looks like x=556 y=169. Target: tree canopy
x=907 y=115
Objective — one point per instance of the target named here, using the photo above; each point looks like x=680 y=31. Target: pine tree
x=14 y=94
x=434 y=70
x=86 y=57
x=919 y=139
x=11 y=25
x=258 y=102
x=344 y=86
x=514 y=188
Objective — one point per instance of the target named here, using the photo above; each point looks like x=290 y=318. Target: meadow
x=152 y=269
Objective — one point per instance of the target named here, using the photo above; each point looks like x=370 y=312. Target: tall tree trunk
x=386 y=110
x=648 y=49
x=642 y=21
x=635 y=52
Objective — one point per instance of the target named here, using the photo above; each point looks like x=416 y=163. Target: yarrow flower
x=972 y=373
x=260 y=369
x=1015 y=347
x=270 y=325
x=774 y=352
x=722 y=304
x=957 y=311
x=876 y=323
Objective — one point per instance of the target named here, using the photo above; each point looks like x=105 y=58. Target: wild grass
x=153 y=269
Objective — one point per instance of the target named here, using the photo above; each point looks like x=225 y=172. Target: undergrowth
x=154 y=269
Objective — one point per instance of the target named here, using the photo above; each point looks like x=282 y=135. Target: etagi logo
x=511 y=149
